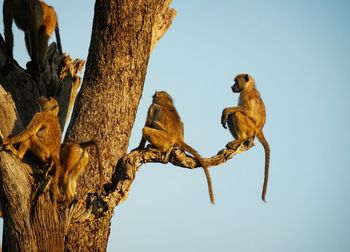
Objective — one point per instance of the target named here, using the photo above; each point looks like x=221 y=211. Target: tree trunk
x=123 y=36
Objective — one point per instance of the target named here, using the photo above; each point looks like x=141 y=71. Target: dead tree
x=123 y=35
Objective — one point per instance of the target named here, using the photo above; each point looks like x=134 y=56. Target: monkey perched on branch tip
x=247 y=119
x=42 y=137
x=38 y=20
x=165 y=130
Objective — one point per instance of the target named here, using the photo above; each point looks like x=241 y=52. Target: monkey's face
x=49 y=104
x=161 y=96
x=241 y=82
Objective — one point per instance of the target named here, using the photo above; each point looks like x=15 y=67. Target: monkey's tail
x=54 y=186
x=266 y=146
x=58 y=38
x=189 y=149
x=86 y=144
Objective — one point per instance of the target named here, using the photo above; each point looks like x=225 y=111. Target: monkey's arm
x=227 y=111
x=149 y=122
x=34 y=126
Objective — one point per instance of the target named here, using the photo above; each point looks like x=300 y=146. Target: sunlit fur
x=247 y=119
x=74 y=159
x=42 y=137
x=165 y=130
x=38 y=20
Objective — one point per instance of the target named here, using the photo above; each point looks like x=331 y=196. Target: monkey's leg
x=33 y=66
x=27 y=41
x=233 y=145
x=23 y=147
x=158 y=138
x=43 y=40
x=167 y=155
x=33 y=35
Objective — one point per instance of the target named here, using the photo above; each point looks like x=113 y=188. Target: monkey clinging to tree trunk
x=247 y=119
x=164 y=130
x=42 y=137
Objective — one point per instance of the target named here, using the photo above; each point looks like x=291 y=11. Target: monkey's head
x=162 y=97
x=49 y=105
x=242 y=82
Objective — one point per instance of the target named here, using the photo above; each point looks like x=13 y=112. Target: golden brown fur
x=38 y=20
x=43 y=138
x=247 y=119
x=74 y=159
x=164 y=130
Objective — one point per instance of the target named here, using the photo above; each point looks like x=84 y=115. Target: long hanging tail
x=266 y=146
x=58 y=38
x=93 y=142
x=54 y=186
x=189 y=149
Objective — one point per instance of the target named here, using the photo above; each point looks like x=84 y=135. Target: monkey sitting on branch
x=164 y=130
x=247 y=119
x=38 y=20
x=74 y=159
x=42 y=137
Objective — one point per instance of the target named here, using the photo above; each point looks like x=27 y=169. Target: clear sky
x=298 y=52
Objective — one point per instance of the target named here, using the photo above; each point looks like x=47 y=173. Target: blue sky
x=298 y=52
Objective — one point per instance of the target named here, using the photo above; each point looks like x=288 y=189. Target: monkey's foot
x=167 y=155
x=233 y=145
x=11 y=149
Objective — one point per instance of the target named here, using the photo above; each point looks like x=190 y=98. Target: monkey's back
x=173 y=124
x=255 y=107
x=49 y=18
x=50 y=134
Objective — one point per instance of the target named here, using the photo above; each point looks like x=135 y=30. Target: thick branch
x=127 y=167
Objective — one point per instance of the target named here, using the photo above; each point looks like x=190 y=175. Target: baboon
x=74 y=159
x=42 y=137
x=247 y=119
x=165 y=130
x=38 y=20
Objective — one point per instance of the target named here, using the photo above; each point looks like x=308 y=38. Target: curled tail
x=86 y=144
x=189 y=149
x=266 y=146
x=58 y=38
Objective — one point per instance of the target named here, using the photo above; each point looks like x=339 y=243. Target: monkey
x=38 y=20
x=247 y=119
x=43 y=138
x=165 y=130
x=74 y=159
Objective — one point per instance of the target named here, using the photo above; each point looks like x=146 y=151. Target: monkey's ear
x=246 y=77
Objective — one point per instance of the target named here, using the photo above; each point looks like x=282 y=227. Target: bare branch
x=163 y=21
x=127 y=167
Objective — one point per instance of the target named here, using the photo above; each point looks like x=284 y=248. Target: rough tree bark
x=123 y=36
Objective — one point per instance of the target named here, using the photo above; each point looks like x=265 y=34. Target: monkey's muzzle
x=235 y=88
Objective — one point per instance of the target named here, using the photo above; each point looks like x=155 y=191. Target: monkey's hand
x=7 y=141
x=224 y=118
